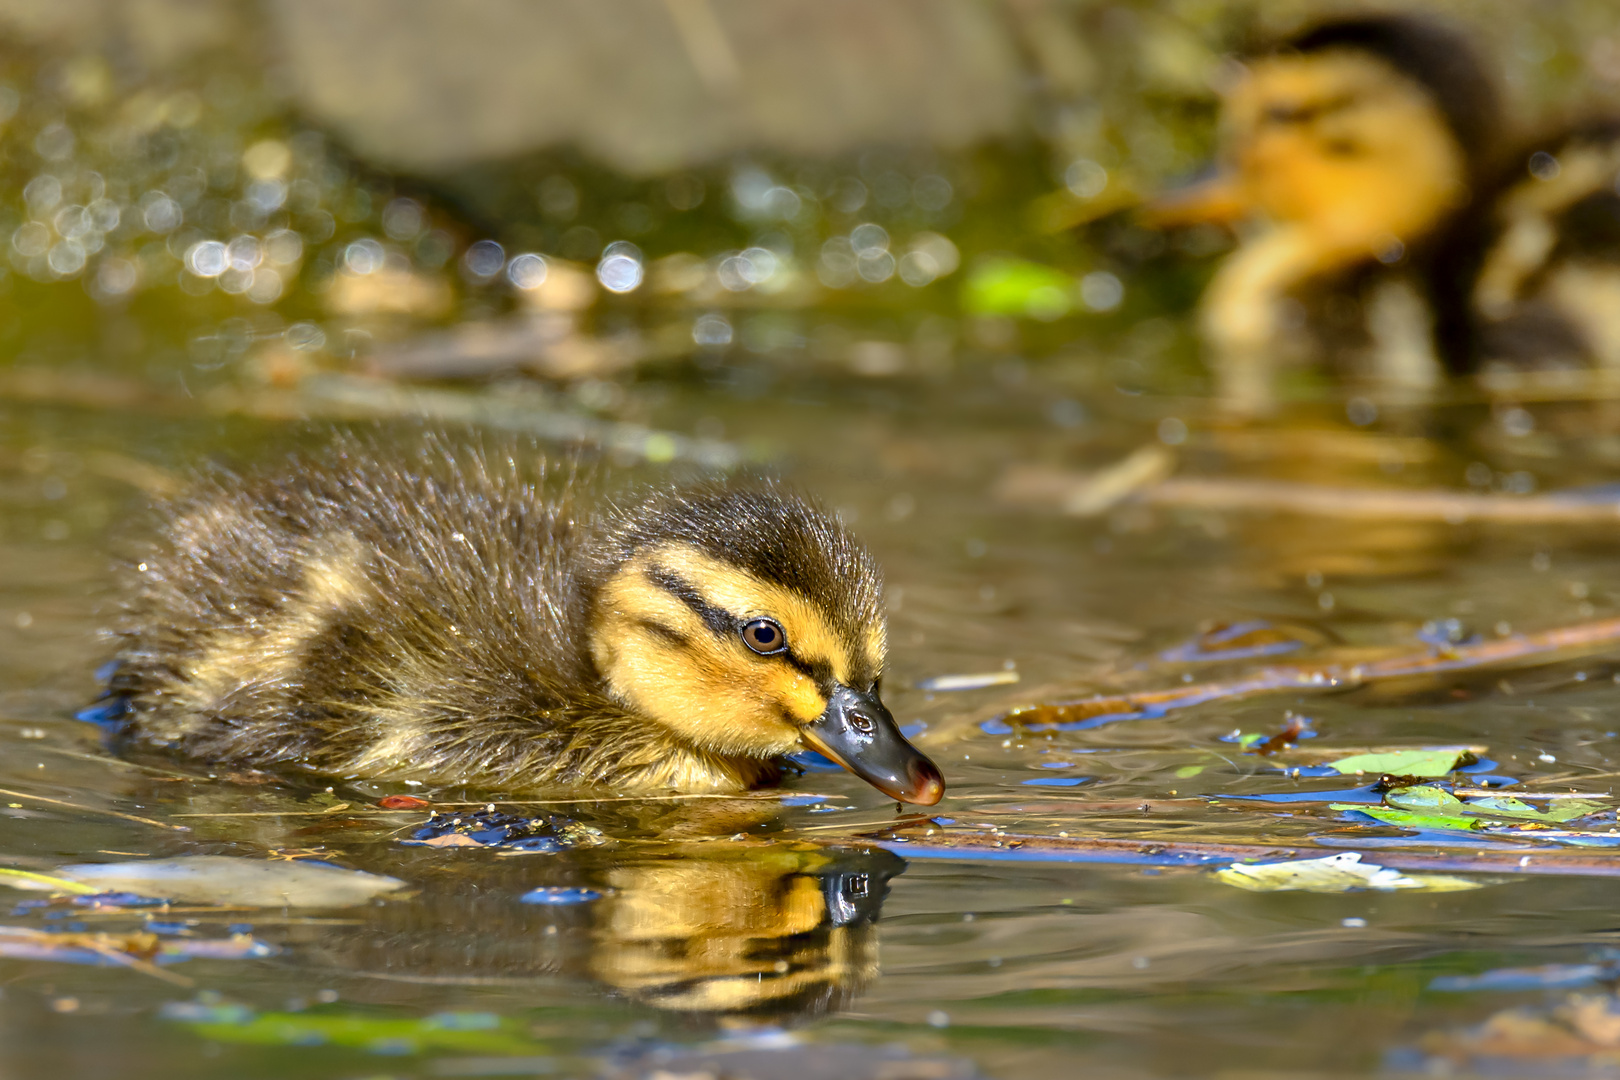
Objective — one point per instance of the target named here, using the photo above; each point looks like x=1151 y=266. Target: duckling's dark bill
x=859 y=733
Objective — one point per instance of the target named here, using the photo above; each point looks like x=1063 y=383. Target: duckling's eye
x=764 y=636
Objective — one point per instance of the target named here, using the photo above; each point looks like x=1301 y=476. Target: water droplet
x=206 y=258
x=620 y=270
x=868 y=238
x=66 y=258
x=526 y=271
x=1085 y=178
x=711 y=329
x=404 y=220
x=160 y=213
x=1101 y=291
x=484 y=259
x=31 y=239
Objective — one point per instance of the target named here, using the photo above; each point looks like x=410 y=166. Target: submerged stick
x=1194 y=853
x=1087 y=494
x=1322 y=500
x=773 y=795
x=1542 y=647
x=353 y=397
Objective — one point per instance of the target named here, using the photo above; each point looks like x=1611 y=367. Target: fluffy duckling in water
x=449 y=616
x=1389 y=226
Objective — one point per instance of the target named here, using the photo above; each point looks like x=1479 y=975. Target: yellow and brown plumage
x=457 y=615
x=1393 y=225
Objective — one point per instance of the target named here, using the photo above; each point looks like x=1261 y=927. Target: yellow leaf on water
x=1344 y=872
x=27 y=879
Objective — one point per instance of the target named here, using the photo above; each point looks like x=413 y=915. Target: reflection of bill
x=744 y=928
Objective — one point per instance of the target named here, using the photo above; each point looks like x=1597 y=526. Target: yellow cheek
x=707 y=692
x=798 y=695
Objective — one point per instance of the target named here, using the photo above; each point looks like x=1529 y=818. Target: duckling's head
x=750 y=623
x=1364 y=131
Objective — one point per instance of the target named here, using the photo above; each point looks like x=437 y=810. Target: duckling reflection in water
x=779 y=930
x=451 y=616
x=761 y=930
x=1388 y=227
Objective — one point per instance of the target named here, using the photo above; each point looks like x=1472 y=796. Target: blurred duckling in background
x=450 y=615
x=1388 y=229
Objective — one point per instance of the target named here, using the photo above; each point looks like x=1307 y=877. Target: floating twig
x=113 y=762
x=1517 y=650
x=1203 y=853
x=98 y=810
x=135 y=963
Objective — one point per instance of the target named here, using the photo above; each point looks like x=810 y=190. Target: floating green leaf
x=1005 y=286
x=1558 y=810
x=1425 y=806
x=1406 y=819
x=461 y=1031
x=1401 y=763
x=1425 y=798
x=1187 y=772
x=1431 y=799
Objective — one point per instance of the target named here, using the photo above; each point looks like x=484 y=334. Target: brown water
x=194 y=268
x=767 y=931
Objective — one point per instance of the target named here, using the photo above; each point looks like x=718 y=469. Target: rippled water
x=755 y=935
x=192 y=267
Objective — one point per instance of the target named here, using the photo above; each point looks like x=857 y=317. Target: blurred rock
x=647 y=86
x=154 y=34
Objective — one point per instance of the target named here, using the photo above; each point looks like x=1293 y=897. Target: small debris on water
x=490 y=828
x=979 y=681
x=403 y=802
x=559 y=895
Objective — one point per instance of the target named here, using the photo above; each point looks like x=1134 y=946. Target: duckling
x=1387 y=227
x=452 y=615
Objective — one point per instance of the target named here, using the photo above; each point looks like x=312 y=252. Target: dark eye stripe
x=717 y=619
x=723 y=622
x=1291 y=113
x=668 y=633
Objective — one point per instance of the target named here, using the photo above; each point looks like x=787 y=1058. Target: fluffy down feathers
x=424 y=613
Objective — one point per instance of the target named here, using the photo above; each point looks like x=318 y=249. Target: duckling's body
x=1391 y=227
x=1542 y=261
x=450 y=615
